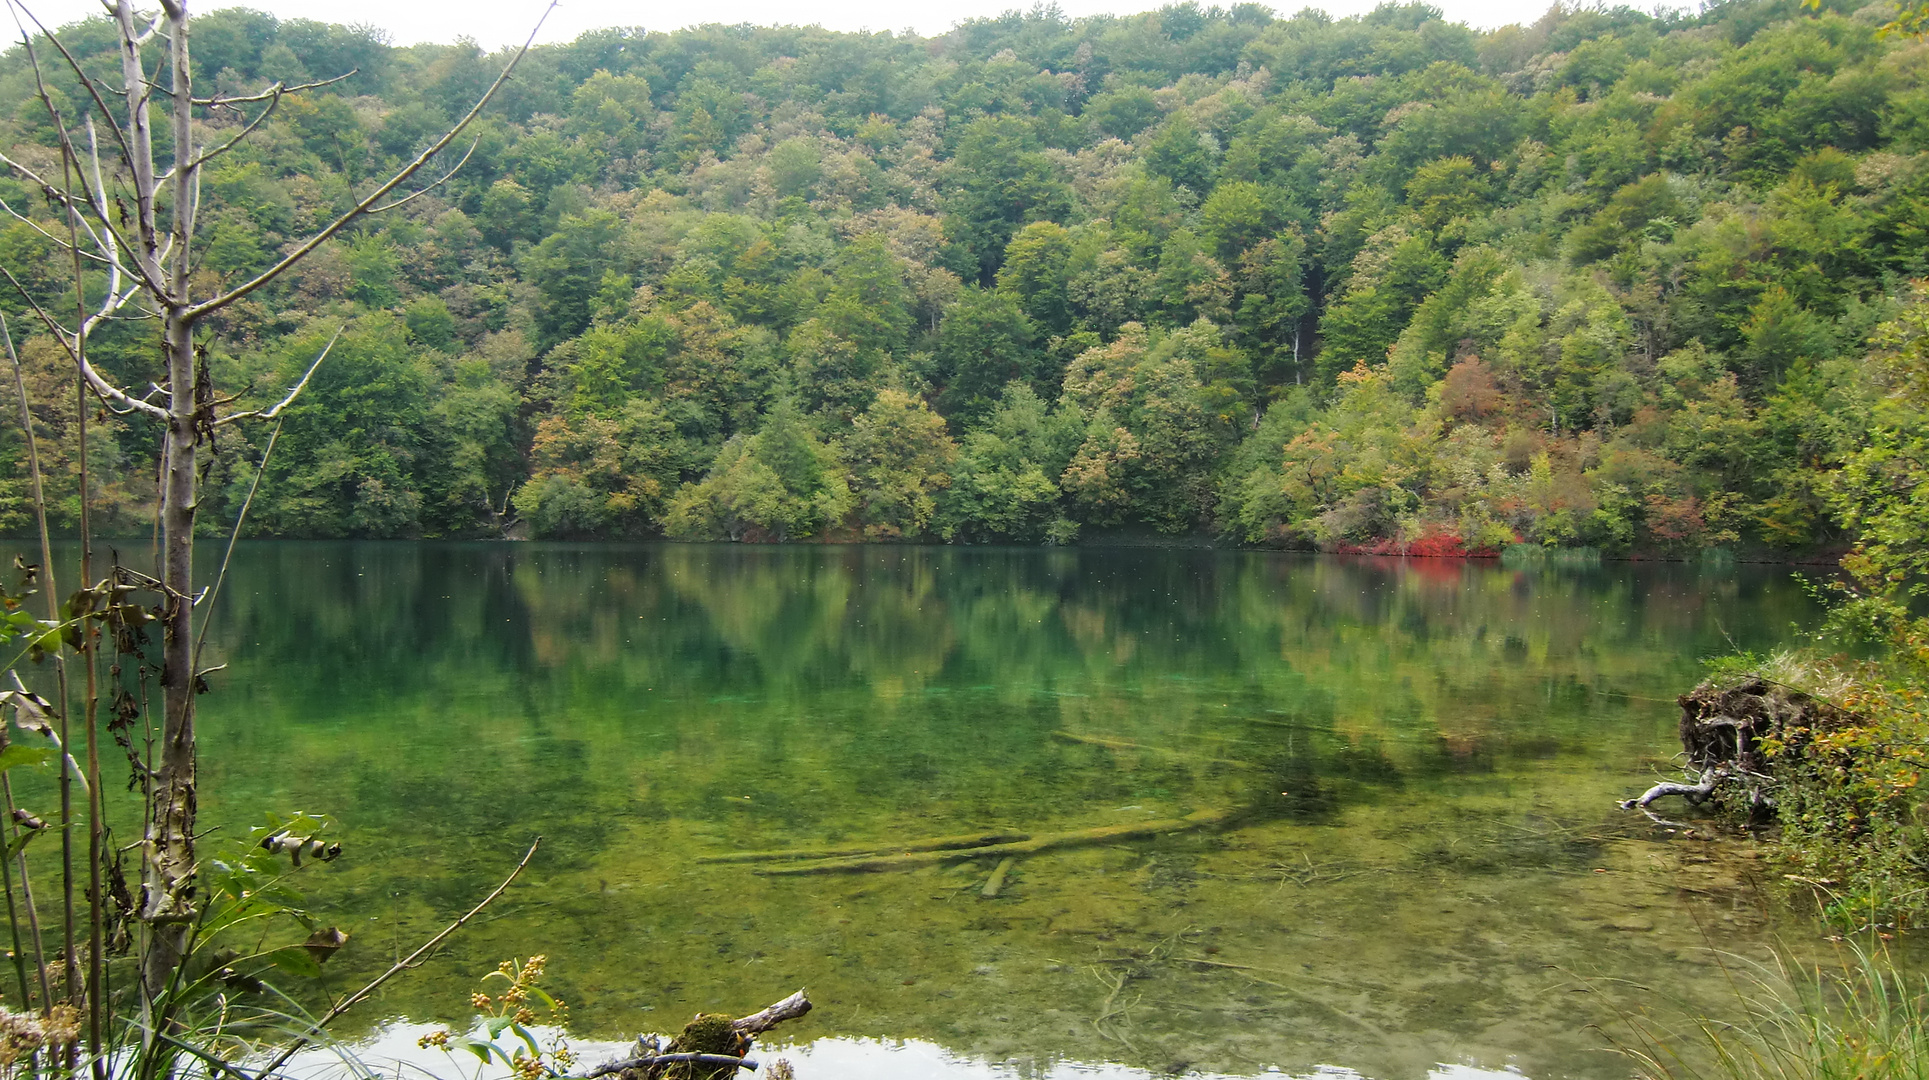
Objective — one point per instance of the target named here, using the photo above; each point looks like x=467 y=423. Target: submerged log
x=996 y=882
x=1110 y=743
x=936 y=843
x=1103 y=834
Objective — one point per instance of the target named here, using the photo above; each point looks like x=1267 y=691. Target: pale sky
x=499 y=22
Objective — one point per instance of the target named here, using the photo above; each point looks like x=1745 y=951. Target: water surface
x=1427 y=872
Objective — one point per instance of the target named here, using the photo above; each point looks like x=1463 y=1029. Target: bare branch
x=241 y=519
x=373 y=198
x=65 y=198
x=137 y=139
x=37 y=227
x=446 y=177
x=271 y=413
x=209 y=155
x=97 y=195
x=101 y=387
x=272 y=96
x=114 y=299
x=153 y=27
x=274 y=92
x=403 y=964
x=79 y=72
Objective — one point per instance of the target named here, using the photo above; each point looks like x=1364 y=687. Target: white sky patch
x=494 y=23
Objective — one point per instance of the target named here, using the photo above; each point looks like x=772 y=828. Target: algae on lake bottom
x=1431 y=869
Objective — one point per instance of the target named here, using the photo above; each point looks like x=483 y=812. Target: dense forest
x=1382 y=283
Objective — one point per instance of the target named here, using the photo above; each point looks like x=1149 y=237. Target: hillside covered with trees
x=1381 y=283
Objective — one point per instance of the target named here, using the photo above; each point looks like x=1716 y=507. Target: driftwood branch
x=770 y=1016
x=1110 y=743
x=1696 y=793
x=1104 y=834
x=747 y=1027
x=995 y=884
x=651 y=1061
x=1726 y=729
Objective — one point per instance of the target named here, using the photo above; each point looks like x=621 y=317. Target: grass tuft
x=1863 y=1020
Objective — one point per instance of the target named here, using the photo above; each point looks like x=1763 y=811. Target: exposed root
x=1723 y=730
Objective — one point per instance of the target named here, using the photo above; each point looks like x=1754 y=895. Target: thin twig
x=26 y=893
x=239 y=519
x=274 y=411
x=401 y=965
x=373 y=198
x=275 y=91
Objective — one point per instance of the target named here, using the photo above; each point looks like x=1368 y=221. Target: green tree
x=900 y=460
x=984 y=343
x=782 y=483
x=594 y=477
x=997 y=181
x=1181 y=153
x=568 y=267
x=1005 y=483
x=1034 y=274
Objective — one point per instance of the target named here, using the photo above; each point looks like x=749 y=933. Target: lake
x=1424 y=872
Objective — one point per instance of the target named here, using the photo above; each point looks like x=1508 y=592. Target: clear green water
x=1431 y=869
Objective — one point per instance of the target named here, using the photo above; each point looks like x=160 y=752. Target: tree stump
x=1723 y=727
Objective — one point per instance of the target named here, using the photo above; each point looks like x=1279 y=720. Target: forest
x=1384 y=283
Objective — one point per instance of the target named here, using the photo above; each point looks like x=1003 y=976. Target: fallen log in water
x=1103 y=834
x=995 y=884
x=937 y=843
x=1110 y=743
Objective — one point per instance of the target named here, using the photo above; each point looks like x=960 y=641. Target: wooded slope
x=1609 y=279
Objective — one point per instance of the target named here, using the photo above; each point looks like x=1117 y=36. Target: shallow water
x=1428 y=873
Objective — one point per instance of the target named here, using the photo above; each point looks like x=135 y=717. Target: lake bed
x=1426 y=870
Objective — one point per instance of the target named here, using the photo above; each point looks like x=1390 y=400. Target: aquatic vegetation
x=1432 y=747
x=1862 y=1018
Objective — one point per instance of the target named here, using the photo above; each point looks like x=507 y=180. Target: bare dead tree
x=130 y=221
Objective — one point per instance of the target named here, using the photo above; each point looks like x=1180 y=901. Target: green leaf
x=19 y=844
x=295 y=960
x=528 y=1039
x=480 y=1049
x=26 y=755
x=499 y=1024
